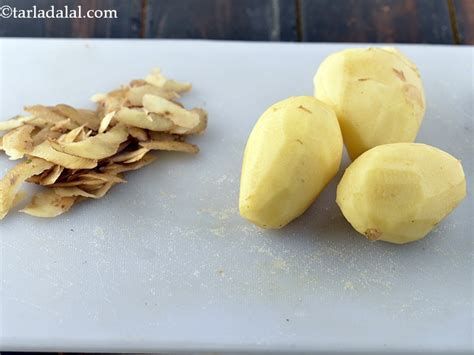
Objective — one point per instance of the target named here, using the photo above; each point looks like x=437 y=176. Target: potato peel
x=15 y=122
x=45 y=151
x=64 y=125
x=19 y=198
x=18 y=142
x=104 y=124
x=45 y=113
x=100 y=146
x=75 y=191
x=81 y=117
x=52 y=175
x=199 y=128
x=128 y=156
x=139 y=118
x=12 y=181
x=138 y=155
x=43 y=134
x=171 y=146
x=138 y=133
x=72 y=191
x=158 y=80
x=72 y=135
x=135 y=95
x=48 y=204
x=167 y=109
x=88 y=118
x=116 y=168
x=78 y=154
x=103 y=177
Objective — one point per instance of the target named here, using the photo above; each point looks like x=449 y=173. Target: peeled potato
x=399 y=192
x=293 y=151
x=377 y=95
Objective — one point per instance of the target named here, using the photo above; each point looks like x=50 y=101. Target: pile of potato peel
x=77 y=154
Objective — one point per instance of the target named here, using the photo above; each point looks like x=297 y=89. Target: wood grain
x=127 y=23
x=405 y=21
x=255 y=20
x=410 y=21
x=464 y=12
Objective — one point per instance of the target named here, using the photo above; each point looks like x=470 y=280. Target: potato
x=377 y=95
x=293 y=151
x=399 y=192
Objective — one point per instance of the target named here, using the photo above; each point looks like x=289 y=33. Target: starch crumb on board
x=99 y=232
x=220 y=232
x=348 y=285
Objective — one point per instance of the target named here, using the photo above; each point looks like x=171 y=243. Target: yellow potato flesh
x=399 y=192
x=377 y=95
x=293 y=151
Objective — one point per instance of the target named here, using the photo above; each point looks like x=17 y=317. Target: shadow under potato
x=324 y=223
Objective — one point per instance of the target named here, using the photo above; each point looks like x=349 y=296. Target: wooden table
x=403 y=21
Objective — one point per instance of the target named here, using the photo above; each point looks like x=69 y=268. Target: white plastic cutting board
x=164 y=262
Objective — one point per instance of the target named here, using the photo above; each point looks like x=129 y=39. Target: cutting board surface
x=165 y=262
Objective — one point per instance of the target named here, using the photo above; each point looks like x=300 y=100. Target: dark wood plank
x=264 y=20
x=464 y=12
x=405 y=21
x=127 y=23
